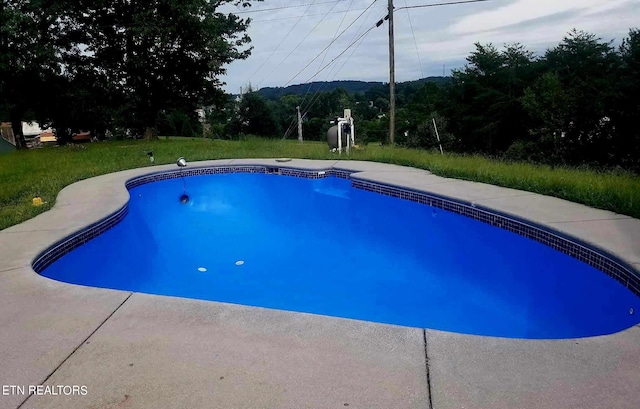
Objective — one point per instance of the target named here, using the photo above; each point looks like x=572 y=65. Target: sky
x=298 y=41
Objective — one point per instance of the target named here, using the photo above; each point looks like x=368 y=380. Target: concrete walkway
x=133 y=350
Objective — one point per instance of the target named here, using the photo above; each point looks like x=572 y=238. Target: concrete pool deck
x=134 y=350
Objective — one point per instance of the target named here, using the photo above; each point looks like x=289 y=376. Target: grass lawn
x=44 y=172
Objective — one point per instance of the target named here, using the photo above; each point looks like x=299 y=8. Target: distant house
x=31 y=129
x=82 y=136
x=33 y=134
x=7 y=140
x=47 y=138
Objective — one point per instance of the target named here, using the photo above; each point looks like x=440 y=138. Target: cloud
x=520 y=11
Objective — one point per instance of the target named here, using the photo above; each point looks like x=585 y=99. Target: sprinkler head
x=181 y=162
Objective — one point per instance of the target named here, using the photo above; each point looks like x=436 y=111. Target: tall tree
x=586 y=67
x=486 y=110
x=547 y=104
x=164 y=54
x=34 y=37
x=626 y=116
x=256 y=117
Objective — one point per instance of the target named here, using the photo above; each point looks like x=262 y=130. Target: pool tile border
x=69 y=243
x=598 y=259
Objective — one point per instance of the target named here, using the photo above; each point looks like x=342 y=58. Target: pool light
x=182 y=162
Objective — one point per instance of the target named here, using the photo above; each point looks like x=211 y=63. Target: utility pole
x=299 y=124
x=392 y=79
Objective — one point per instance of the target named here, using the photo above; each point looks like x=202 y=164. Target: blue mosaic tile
x=303 y=173
x=342 y=174
x=174 y=174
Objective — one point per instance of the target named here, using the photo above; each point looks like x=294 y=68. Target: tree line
x=578 y=103
x=133 y=68
x=128 y=66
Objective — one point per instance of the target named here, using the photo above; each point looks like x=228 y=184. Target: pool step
x=331 y=191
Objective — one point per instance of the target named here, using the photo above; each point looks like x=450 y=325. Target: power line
x=362 y=37
x=336 y=33
x=316 y=95
x=298 y=45
x=392 y=81
x=442 y=4
x=305 y=16
x=327 y=52
x=414 y=41
x=343 y=51
x=304 y=98
x=282 y=41
x=329 y=45
x=288 y=7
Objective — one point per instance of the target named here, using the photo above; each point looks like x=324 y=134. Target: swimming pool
x=323 y=247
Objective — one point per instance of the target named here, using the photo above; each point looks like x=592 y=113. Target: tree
x=626 y=116
x=548 y=105
x=484 y=107
x=34 y=39
x=285 y=112
x=586 y=67
x=163 y=54
x=256 y=116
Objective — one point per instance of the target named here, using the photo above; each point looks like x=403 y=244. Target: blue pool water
x=322 y=247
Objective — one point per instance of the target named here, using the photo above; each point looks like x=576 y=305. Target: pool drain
x=202 y=269
x=239 y=262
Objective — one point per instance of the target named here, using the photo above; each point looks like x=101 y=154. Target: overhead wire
x=327 y=52
x=415 y=42
x=341 y=53
x=288 y=7
x=380 y=22
x=281 y=42
x=316 y=95
x=329 y=45
x=451 y=3
x=305 y=16
x=299 y=43
x=358 y=42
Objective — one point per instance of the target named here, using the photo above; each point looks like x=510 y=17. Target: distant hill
x=275 y=93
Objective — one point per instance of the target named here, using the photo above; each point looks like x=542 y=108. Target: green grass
x=44 y=172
